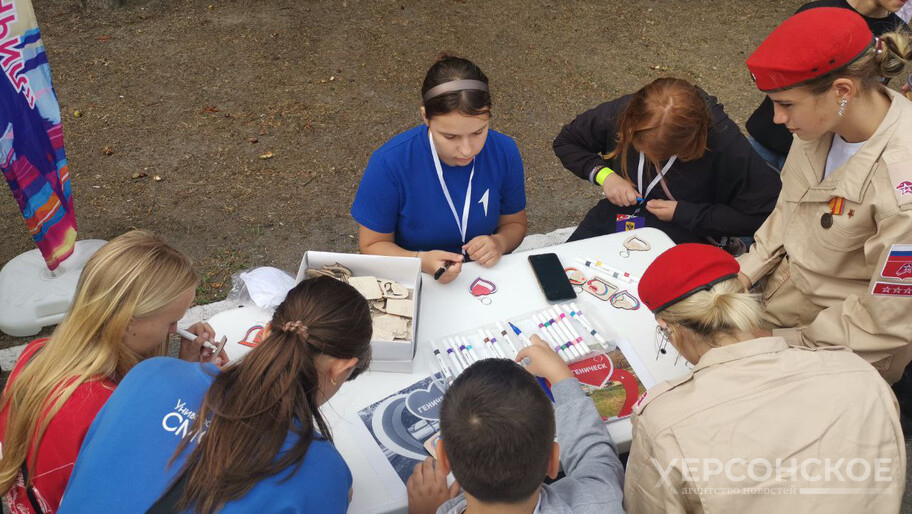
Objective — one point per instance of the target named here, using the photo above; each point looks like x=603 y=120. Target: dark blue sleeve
x=513 y=187
x=377 y=201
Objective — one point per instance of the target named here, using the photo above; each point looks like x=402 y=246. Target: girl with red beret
x=756 y=420
x=833 y=260
x=773 y=141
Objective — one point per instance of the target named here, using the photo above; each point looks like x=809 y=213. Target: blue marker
x=518 y=332
x=525 y=341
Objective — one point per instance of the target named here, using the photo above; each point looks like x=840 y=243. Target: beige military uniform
x=716 y=434
x=824 y=275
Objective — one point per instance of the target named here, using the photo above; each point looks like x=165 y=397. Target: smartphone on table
x=551 y=277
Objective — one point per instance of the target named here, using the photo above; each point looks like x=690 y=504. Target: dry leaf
x=267 y=155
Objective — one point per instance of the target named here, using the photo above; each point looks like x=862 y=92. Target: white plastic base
x=32 y=297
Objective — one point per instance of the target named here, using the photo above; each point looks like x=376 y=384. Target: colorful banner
x=32 y=157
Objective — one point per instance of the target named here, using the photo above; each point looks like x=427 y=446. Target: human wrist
x=602 y=174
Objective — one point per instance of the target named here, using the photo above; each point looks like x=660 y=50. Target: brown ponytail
x=252 y=406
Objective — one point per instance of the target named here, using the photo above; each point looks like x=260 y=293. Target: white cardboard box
x=405 y=270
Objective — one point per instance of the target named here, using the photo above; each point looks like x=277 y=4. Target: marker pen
x=557 y=336
x=186 y=334
x=441 y=270
x=457 y=366
x=551 y=336
x=471 y=349
x=554 y=324
x=443 y=367
x=462 y=352
x=525 y=341
x=519 y=334
x=503 y=332
x=489 y=348
x=496 y=346
x=585 y=322
x=578 y=342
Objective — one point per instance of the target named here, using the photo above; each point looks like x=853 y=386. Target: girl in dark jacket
x=669 y=155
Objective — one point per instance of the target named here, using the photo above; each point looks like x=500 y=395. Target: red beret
x=682 y=271
x=810 y=44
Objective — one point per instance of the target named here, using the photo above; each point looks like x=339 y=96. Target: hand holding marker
x=216 y=348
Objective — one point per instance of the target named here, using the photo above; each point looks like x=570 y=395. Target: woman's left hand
x=662 y=209
x=485 y=250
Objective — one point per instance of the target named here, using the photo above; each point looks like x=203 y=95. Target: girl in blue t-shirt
x=181 y=437
x=448 y=189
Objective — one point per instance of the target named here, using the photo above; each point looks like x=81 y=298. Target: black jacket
x=729 y=191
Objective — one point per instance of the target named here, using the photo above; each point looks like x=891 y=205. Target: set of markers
x=554 y=325
x=606 y=270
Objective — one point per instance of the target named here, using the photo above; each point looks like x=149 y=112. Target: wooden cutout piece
x=624 y=300
x=600 y=288
x=393 y=289
x=379 y=305
x=387 y=326
x=367 y=286
x=403 y=308
x=635 y=244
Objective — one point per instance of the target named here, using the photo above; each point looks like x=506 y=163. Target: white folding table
x=449 y=309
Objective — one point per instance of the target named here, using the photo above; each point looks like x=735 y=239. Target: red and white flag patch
x=899 y=263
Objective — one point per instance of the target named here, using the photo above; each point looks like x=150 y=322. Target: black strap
x=165 y=504
x=29 y=492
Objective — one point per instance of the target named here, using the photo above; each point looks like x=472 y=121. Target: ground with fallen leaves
x=258 y=117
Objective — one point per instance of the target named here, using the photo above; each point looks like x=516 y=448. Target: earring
x=842 y=106
x=333 y=381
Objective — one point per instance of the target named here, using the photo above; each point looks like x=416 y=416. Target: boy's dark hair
x=447 y=68
x=497 y=426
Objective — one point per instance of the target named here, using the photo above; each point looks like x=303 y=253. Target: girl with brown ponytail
x=248 y=438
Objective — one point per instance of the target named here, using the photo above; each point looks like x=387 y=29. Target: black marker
x=441 y=270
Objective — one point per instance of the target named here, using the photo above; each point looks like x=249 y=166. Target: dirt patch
x=200 y=96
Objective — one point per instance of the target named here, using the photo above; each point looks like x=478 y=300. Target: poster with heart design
x=402 y=422
x=609 y=380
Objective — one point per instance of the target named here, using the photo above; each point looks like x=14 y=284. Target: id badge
x=627 y=222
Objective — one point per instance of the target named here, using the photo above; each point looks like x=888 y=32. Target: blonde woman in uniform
x=756 y=421
x=832 y=259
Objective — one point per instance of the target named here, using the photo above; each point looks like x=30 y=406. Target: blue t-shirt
x=400 y=192
x=123 y=463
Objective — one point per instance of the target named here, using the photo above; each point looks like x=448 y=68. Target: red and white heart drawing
x=482 y=287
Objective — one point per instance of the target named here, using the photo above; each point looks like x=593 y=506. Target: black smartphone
x=552 y=277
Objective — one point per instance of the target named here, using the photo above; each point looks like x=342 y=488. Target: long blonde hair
x=131 y=276
x=723 y=309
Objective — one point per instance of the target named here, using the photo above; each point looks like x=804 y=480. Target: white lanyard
x=446 y=192
x=655 y=180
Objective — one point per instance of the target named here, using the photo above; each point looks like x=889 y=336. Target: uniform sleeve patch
x=890 y=289
x=901 y=179
x=898 y=263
